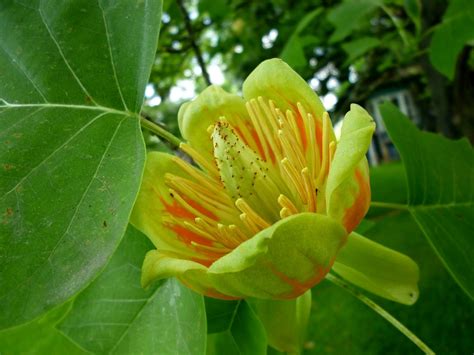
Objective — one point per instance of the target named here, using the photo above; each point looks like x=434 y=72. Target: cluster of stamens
x=273 y=166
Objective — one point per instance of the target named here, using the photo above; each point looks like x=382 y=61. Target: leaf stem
x=393 y=206
x=160 y=132
x=382 y=312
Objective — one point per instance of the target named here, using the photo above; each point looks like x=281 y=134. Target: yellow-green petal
x=211 y=105
x=285 y=321
x=348 y=177
x=378 y=269
x=274 y=80
x=153 y=200
x=282 y=261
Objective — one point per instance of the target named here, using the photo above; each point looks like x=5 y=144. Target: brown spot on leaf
x=104 y=224
x=7 y=166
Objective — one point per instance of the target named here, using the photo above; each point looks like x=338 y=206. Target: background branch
x=193 y=41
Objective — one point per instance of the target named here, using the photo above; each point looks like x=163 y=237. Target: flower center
x=271 y=166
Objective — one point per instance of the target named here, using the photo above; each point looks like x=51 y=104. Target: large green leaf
x=115 y=315
x=293 y=51
x=359 y=47
x=440 y=175
x=457 y=29
x=39 y=337
x=241 y=332
x=72 y=79
x=347 y=16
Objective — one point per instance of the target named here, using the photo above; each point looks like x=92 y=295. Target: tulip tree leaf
x=40 y=336
x=440 y=175
x=115 y=315
x=241 y=333
x=72 y=81
x=359 y=47
x=457 y=29
x=347 y=16
x=219 y=314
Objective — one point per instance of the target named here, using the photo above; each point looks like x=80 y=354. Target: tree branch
x=192 y=40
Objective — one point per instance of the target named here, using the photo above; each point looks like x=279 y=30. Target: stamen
x=290 y=148
x=285 y=202
x=213 y=251
x=206 y=199
x=258 y=129
x=332 y=151
x=193 y=228
x=200 y=177
x=188 y=207
x=285 y=212
x=325 y=158
x=229 y=236
x=313 y=151
x=291 y=119
x=310 y=189
x=251 y=214
x=269 y=112
x=304 y=123
x=238 y=233
x=295 y=178
x=200 y=160
x=251 y=226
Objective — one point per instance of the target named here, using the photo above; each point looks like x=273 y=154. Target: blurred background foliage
x=348 y=51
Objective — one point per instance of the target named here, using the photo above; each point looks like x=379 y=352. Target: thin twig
x=192 y=39
x=160 y=132
x=382 y=312
x=393 y=206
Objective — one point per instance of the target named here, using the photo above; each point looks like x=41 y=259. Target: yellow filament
x=295 y=178
x=192 y=227
x=200 y=160
x=251 y=214
x=285 y=212
x=294 y=126
x=188 y=207
x=313 y=150
x=285 y=202
x=325 y=154
x=186 y=188
x=216 y=250
x=258 y=129
x=228 y=236
x=290 y=148
x=303 y=115
x=251 y=226
x=332 y=151
x=310 y=189
x=237 y=232
x=269 y=113
x=263 y=120
x=198 y=175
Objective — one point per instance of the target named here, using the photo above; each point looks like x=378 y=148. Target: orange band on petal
x=298 y=287
x=359 y=208
x=176 y=210
x=200 y=208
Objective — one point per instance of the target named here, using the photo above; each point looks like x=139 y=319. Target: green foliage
x=67 y=183
x=115 y=315
x=457 y=29
x=238 y=330
x=39 y=337
x=348 y=16
x=440 y=175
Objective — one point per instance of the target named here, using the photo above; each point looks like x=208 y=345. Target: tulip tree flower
x=270 y=205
